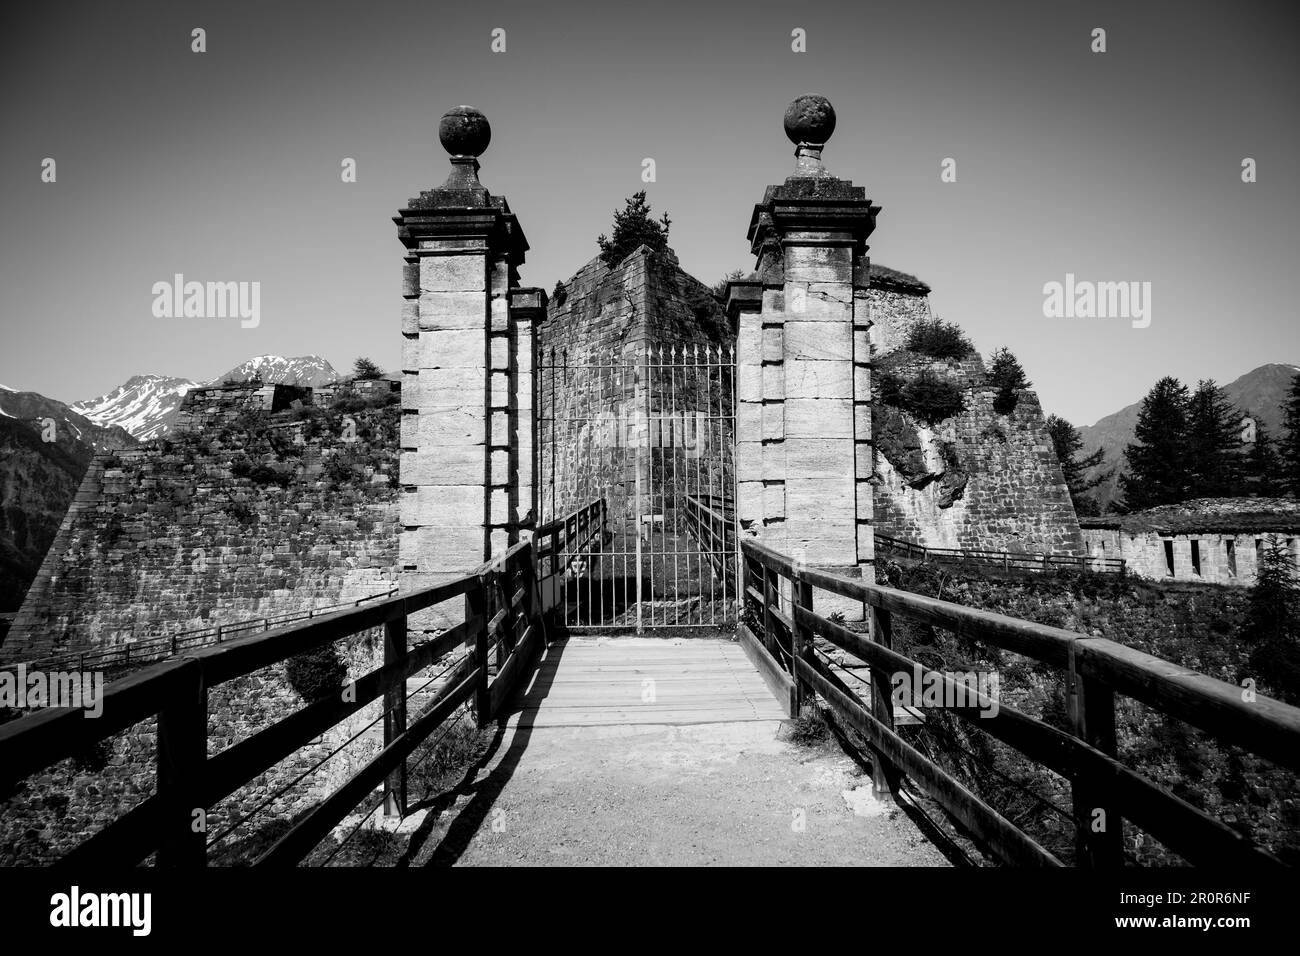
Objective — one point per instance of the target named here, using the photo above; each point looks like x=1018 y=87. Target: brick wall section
x=165 y=536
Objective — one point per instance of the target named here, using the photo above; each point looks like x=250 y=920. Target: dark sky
x=224 y=166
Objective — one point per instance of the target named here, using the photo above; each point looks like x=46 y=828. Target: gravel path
x=669 y=783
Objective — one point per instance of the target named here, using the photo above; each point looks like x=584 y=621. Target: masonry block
x=813 y=379
x=818 y=418
x=453 y=274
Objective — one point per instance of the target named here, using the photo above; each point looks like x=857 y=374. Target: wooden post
x=884 y=775
x=182 y=753
x=395 y=646
x=801 y=596
x=476 y=605
x=1099 y=829
x=771 y=595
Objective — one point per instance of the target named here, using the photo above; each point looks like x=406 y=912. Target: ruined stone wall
x=893 y=316
x=978 y=480
x=269 y=515
x=1224 y=558
x=638 y=354
x=217 y=405
x=266 y=516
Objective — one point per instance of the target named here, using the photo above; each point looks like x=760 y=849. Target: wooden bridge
x=488 y=667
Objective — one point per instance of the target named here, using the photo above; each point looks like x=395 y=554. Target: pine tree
x=1067 y=443
x=365 y=370
x=1263 y=468
x=1273 y=618
x=1290 y=442
x=1214 y=443
x=1008 y=376
x=633 y=227
x=1157 y=461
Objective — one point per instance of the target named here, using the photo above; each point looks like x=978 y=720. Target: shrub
x=559 y=294
x=939 y=339
x=241 y=512
x=260 y=474
x=316 y=673
x=928 y=397
x=810 y=728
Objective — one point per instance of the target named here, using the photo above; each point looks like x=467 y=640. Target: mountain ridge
x=1258 y=393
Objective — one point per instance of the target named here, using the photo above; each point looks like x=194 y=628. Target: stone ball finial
x=810 y=119
x=464 y=131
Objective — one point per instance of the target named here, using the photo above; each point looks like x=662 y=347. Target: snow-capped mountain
x=309 y=370
x=145 y=406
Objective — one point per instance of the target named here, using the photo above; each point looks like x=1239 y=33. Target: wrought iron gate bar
x=650 y=431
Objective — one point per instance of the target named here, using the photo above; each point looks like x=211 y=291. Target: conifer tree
x=1214 y=452
x=1289 y=452
x=363 y=369
x=1068 y=444
x=1008 y=376
x=1157 y=460
x=633 y=227
x=1273 y=618
x=1263 y=468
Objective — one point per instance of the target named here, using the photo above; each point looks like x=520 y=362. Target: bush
x=810 y=729
x=939 y=339
x=316 y=673
x=260 y=474
x=928 y=397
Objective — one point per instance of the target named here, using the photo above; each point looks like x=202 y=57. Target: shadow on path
x=484 y=793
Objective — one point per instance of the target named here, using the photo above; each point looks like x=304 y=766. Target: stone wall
x=978 y=480
x=1210 y=540
x=635 y=381
x=267 y=515
x=216 y=405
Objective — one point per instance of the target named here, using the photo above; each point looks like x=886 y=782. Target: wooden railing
x=1006 y=560
x=147 y=648
x=714 y=530
x=561 y=542
x=1095 y=670
x=502 y=617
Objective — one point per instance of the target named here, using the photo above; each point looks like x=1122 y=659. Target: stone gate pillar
x=804 y=454
x=459 y=480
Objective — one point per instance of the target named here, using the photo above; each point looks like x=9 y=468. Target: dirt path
x=631 y=751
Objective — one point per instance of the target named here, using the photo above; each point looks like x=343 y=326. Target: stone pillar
x=464 y=248
x=527 y=312
x=804 y=453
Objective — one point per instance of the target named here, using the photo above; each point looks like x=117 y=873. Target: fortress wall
x=166 y=537
x=980 y=480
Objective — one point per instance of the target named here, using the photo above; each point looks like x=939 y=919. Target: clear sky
x=225 y=166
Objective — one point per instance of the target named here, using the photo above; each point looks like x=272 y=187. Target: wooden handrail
x=1096 y=670
x=1008 y=559
x=176 y=692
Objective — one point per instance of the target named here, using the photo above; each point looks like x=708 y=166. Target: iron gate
x=651 y=431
